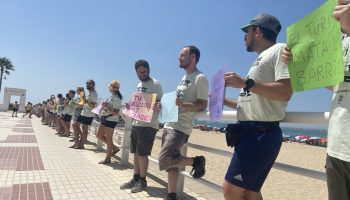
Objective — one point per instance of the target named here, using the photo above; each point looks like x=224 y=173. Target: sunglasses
x=88 y=83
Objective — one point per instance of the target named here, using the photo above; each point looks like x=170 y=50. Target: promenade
x=37 y=164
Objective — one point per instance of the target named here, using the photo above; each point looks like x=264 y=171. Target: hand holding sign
x=342 y=14
x=316 y=47
x=141 y=106
x=217 y=94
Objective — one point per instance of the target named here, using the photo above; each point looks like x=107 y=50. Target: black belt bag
x=234 y=132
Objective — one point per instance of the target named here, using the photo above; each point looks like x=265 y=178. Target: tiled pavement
x=37 y=164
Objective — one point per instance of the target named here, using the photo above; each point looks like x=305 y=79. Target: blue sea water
x=312 y=132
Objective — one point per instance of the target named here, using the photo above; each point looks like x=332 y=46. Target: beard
x=144 y=78
x=251 y=45
x=89 y=87
x=184 y=65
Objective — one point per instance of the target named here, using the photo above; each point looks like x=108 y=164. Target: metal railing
x=315 y=118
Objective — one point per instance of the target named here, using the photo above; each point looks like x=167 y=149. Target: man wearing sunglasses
x=86 y=116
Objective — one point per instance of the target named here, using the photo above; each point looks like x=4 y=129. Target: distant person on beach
x=338 y=148
x=192 y=97
x=14 y=109
x=143 y=133
x=262 y=103
x=86 y=116
x=109 y=118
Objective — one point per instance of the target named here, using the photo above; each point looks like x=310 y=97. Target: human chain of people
x=261 y=105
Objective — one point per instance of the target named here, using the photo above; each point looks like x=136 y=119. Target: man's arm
x=232 y=103
x=280 y=90
x=199 y=105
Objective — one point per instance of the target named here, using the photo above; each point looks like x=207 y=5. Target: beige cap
x=113 y=85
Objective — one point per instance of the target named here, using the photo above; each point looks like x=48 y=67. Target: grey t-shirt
x=151 y=86
x=192 y=87
x=92 y=97
x=70 y=108
x=113 y=102
x=267 y=68
x=338 y=129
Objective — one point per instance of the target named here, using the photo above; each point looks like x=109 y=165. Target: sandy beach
x=279 y=184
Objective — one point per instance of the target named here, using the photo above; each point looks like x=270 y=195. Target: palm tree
x=5 y=67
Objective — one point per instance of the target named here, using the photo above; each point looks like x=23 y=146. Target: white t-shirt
x=267 y=68
x=60 y=106
x=151 y=86
x=338 y=130
x=112 y=102
x=192 y=87
x=92 y=97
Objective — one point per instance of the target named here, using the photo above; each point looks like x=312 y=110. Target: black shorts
x=67 y=118
x=85 y=120
x=109 y=124
x=15 y=110
x=27 y=111
x=142 y=139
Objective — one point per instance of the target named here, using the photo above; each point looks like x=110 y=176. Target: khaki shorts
x=142 y=139
x=172 y=141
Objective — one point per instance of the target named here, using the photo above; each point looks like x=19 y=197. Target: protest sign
x=141 y=106
x=317 y=52
x=98 y=108
x=217 y=94
x=169 y=111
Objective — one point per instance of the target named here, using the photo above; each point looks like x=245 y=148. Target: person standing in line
x=69 y=108
x=192 y=97
x=14 y=109
x=261 y=104
x=79 y=103
x=338 y=148
x=109 y=118
x=143 y=133
x=86 y=116
x=59 y=111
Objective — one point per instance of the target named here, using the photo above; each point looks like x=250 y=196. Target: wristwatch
x=249 y=83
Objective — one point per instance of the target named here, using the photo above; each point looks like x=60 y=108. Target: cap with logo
x=264 y=21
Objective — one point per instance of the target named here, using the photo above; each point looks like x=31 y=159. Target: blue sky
x=58 y=45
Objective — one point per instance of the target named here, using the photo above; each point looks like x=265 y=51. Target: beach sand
x=279 y=185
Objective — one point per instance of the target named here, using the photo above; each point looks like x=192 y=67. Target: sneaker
x=139 y=186
x=168 y=197
x=128 y=185
x=199 y=170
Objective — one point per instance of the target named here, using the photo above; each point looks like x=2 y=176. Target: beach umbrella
x=304 y=140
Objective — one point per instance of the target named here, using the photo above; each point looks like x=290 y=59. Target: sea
x=288 y=130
